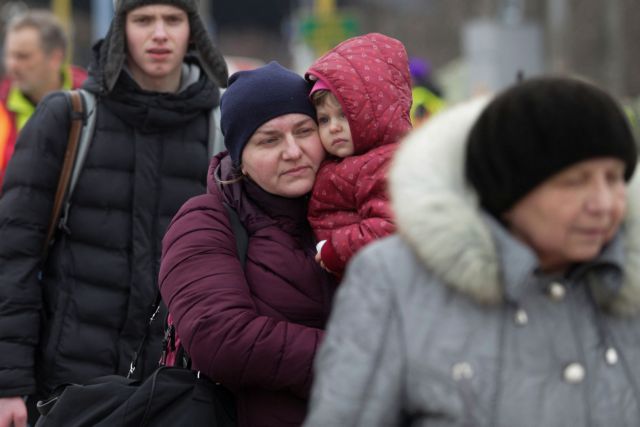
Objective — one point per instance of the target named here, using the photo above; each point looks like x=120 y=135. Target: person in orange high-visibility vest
x=35 y=47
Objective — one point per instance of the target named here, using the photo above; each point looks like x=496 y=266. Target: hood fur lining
x=438 y=214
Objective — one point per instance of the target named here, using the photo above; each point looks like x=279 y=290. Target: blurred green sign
x=322 y=32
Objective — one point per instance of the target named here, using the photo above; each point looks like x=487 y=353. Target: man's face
x=27 y=64
x=157 y=40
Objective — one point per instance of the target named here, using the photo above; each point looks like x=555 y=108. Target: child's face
x=333 y=126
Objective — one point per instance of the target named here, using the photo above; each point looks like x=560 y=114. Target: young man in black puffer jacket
x=83 y=314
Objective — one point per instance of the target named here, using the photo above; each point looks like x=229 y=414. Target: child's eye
x=323 y=120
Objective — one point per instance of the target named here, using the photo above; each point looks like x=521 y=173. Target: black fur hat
x=535 y=129
x=113 y=49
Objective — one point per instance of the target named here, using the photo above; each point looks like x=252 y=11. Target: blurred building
x=593 y=38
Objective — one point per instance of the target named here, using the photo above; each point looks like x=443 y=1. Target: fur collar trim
x=438 y=214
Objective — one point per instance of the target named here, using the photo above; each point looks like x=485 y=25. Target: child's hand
x=319 y=261
x=319 y=257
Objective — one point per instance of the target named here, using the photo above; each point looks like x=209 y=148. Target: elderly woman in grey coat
x=510 y=296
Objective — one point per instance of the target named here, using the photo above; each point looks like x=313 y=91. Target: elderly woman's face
x=572 y=215
x=283 y=155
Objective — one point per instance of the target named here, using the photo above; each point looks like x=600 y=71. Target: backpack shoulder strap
x=75 y=100
x=83 y=113
x=86 y=136
x=242 y=243
x=240 y=233
x=216 y=139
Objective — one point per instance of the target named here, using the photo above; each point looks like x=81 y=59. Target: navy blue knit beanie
x=254 y=97
x=535 y=129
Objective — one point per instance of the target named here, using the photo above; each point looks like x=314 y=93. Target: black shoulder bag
x=171 y=396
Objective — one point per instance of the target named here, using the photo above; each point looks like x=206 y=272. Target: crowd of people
x=477 y=268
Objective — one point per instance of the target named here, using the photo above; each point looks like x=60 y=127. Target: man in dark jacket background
x=85 y=311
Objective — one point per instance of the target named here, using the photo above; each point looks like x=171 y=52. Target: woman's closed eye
x=307 y=130
x=269 y=141
x=573 y=180
x=615 y=176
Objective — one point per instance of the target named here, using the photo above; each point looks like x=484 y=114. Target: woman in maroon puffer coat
x=255 y=330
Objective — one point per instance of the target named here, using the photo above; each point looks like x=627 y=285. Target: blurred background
x=467 y=46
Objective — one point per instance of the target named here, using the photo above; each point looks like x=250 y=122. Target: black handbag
x=171 y=396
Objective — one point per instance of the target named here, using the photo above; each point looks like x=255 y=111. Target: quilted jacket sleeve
x=358 y=371
x=348 y=232
x=25 y=209
x=205 y=288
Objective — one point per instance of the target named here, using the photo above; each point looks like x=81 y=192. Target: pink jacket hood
x=370 y=77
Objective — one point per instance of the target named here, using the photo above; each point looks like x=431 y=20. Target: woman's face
x=283 y=155
x=572 y=215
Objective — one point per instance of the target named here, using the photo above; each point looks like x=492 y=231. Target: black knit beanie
x=535 y=129
x=254 y=97
x=113 y=49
